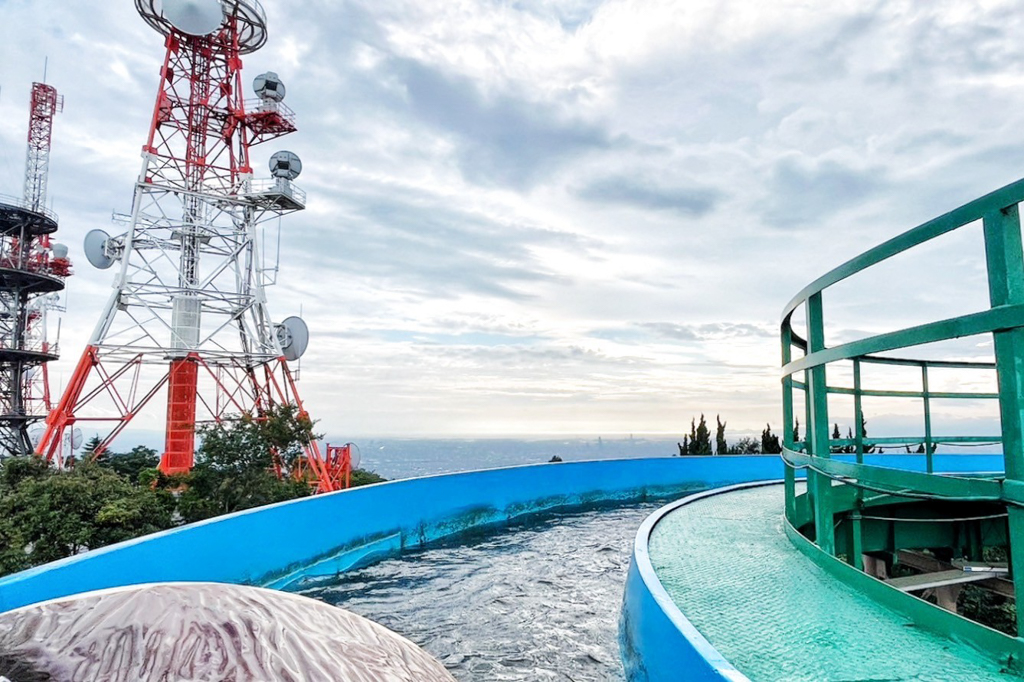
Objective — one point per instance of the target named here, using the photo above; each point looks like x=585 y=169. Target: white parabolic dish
x=96 y=249
x=296 y=338
x=194 y=17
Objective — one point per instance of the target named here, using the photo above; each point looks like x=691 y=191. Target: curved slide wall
x=659 y=644
x=280 y=544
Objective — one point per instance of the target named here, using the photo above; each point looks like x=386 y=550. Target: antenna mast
x=32 y=273
x=187 y=318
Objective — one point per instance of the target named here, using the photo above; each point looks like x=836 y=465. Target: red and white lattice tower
x=32 y=273
x=188 y=319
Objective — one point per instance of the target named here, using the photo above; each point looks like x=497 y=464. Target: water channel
x=538 y=599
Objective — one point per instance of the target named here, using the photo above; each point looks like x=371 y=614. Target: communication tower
x=188 y=318
x=32 y=273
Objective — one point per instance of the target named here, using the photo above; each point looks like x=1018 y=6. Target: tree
x=836 y=436
x=131 y=464
x=59 y=514
x=236 y=465
x=746 y=446
x=701 y=442
x=770 y=442
x=796 y=431
x=864 y=434
x=91 y=446
x=721 y=446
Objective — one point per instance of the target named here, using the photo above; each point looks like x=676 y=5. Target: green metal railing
x=806 y=361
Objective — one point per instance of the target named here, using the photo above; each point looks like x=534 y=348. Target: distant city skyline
x=574 y=217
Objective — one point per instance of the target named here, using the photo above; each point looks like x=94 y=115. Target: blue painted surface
x=272 y=545
x=659 y=644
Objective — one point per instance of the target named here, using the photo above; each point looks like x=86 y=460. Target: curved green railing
x=829 y=513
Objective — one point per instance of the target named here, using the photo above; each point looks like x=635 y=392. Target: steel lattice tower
x=32 y=273
x=188 y=315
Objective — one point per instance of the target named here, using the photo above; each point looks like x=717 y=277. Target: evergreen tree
x=90 y=447
x=701 y=444
x=685 y=448
x=796 y=431
x=868 y=449
x=770 y=442
x=692 y=450
x=721 y=446
x=852 y=447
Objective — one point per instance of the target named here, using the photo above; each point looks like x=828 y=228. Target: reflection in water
x=538 y=601
x=202 y=631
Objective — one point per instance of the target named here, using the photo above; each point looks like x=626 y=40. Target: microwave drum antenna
x=286 y=165
x=268 y=86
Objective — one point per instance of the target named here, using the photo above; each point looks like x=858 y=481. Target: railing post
x=858 y=413
x=855 y=545
x=1003 y=254
x=929 y=462
x=787 y=419
x=817 y=429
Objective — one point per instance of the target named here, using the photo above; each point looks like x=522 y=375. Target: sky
x=569 y=217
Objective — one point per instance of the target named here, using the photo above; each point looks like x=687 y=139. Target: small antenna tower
x=32 y=274
x=187 y=320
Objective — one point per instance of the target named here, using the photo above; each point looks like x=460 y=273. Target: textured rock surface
x=203 y=631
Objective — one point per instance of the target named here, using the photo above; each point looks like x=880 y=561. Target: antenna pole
x=188 y=321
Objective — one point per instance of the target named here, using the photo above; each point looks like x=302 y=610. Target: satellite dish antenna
x=285 y=165
x=355 y=457
x=76 y=439
x=96 y=249
x=60 y=250
x=194 y=17
x=293 y=335
x=35 y=434
x=73 y=439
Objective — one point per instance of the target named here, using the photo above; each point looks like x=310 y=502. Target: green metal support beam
x=1005 y=259
x=818 y=430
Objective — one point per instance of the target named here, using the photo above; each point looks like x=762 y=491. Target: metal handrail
x=1004 y=319
x=20 y=203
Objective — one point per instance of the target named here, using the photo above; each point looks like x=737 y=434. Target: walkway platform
x=725 y=561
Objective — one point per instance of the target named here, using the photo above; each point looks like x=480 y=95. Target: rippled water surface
x=537 y=600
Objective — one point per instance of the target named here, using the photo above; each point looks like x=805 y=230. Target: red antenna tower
x=32 y=273
x=188 y=317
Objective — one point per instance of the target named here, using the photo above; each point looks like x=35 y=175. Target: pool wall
x=659 y=644
x=282 y=544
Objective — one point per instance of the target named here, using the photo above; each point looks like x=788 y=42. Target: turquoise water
x=538 y=600
x=773 y=613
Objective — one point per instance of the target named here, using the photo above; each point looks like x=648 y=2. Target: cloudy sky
x=567 y=216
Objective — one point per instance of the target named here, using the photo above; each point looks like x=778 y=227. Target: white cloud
x=564 y=216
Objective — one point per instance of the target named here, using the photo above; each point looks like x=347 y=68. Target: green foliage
x=48 y=515
x=796 y=431
x=746 y=446
x=235 y=465
x=133 y=464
